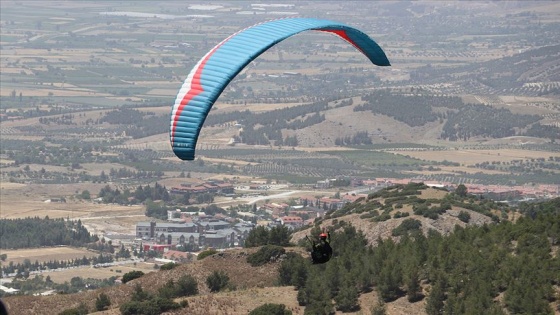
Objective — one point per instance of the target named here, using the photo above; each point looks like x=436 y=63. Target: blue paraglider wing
x=221 y=64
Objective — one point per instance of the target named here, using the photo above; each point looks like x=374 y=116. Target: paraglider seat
x=321 y=253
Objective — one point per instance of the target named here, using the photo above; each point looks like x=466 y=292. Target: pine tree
x=102 y=302
x=434 y=304
x=347 y=298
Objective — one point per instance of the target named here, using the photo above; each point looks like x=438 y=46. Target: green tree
x=187 y=286
x=461 y=190
x=257 y=237
x=132 y=275
x=217 y=281
x=168 y=290
x=139 y=294
x=347 y=298
x=168 y=266
x=265 y=254
x=206 y=253
x=464 y=216
x=279 y=235
x=434 y=304
x=271 y=309
x=413 y=289
x=85 y=195
x=102 y=302
x=81 y=309
x=293 y=271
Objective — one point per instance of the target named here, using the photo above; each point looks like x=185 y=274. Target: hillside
x=363 y=219
x=379 y=217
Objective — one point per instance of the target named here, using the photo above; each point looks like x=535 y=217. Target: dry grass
x=254 y=107
x=432 y=194
x=30 y=204
x=254 y=288
x=471 y=157
x=46 y=254
x=97 y=273
x=21 y=201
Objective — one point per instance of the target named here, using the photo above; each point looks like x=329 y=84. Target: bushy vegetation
x=217 y=281
x=271 y=309
x=144 y=303
x=36 y=232
x=140 y=195
x=186 y=285
x=407 y=225
x=168 y=266
x=381 y=204
x=23 y=269
x=272 y=122
x=463 y=272
x=81 y=309
x=414 y=110
x=260 y=235
x=132 y=275
x=206 y=253
x=486 y=121
x=38 y=284
x=265 y=254
x=102 y=302
x=138 y=124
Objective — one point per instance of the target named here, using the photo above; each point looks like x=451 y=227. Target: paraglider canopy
x=221 y=64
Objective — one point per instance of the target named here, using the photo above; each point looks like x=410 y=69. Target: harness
x=320 y=253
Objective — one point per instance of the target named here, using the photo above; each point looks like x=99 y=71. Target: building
x=204 y=233
x=149 y=230
x=292 y=222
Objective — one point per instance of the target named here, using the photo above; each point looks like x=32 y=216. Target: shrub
x=464 y=216
x=401 y=215
x=102 y=302
x=271 y=309
x=153 y=306
x=132 y=275
x=217 y=281
x=168 y=266
x=143 y=303
x=206 y=253
x=186 y=286
x=405 y=226
x=370 y=214
x=80 y=310
x=293 y=271
x=265 y=254
x=383 y=217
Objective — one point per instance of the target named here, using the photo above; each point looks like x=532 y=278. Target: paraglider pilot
x=321 y=252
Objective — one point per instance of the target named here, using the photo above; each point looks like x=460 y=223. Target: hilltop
x=379 y=216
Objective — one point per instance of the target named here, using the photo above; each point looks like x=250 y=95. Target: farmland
x=46 y=254
x=69 y=69
x=64 y=72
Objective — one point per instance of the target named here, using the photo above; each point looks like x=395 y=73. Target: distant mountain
x=534 y=72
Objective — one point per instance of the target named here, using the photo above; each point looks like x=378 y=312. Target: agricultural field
x=46 y=254
x=87 y=88
x=98 y=273
x=467 y=157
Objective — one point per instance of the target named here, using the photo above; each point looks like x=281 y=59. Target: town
x=195 y=231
